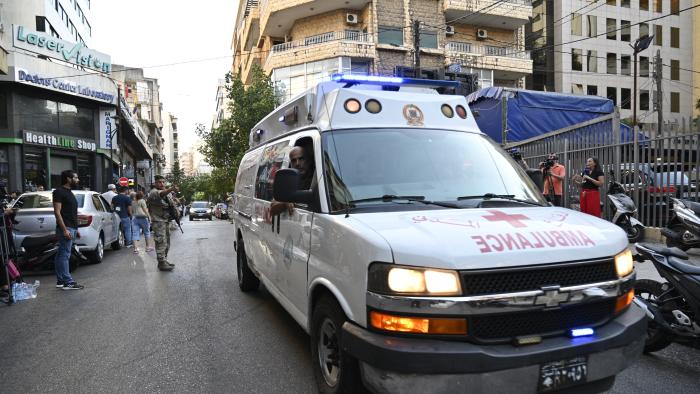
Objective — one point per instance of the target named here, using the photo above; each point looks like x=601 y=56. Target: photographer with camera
x=553 y=174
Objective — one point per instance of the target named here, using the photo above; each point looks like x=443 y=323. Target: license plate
x=564 y=373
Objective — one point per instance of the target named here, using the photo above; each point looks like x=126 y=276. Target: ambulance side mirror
x=286 y=187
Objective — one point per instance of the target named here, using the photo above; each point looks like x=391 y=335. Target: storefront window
x=85 y=171
x=4 y=169
x=34 y=169
x=54 y=117
x=3 y=110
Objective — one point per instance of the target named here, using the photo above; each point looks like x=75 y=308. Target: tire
x=335 y=371
x=191 y=218
x=98 y=254
x=634 y=233
x=210 y=218
x=671 y=243
x=119 y=242
x=656 y=338
x=247 y=280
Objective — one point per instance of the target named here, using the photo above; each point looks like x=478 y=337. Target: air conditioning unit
x=482 y=34
x=351 y=19
x=450 y=30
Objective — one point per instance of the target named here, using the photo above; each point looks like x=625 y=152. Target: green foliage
x=697 y=105
x=224 y=146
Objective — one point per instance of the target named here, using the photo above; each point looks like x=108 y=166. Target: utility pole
x=416 y=48
x=658 y=73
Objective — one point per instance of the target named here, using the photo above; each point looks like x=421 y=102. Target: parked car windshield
x=200 y=205
x=44 y=200
x=428 y=164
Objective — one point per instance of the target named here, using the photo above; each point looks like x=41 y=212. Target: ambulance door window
x=271 y=160
x=307 y=169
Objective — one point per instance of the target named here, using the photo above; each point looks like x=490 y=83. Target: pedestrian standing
x=121 y=203
x=141 y=221
x=110 y=193
x=553 y=174
x=590 y=180
x=65 y=208
x=158 y=203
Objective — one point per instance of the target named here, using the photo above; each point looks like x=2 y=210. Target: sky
x=154 y=34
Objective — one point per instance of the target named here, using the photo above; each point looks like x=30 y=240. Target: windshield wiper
x=392 y=197
x=509 y=197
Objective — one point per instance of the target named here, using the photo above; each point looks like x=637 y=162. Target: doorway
x=58 y=165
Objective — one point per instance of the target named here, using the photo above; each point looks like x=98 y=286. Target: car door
x=264 y=239
x=292 y=236
x=105 y=224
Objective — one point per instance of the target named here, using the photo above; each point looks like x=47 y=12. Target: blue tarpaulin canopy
x=532 y=113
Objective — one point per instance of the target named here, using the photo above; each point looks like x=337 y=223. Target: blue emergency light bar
x=581 y=332
x=392 y=81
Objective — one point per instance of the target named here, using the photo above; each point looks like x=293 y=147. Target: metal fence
x=653 y=167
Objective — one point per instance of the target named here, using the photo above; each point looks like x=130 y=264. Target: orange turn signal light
x=624 y=301
x=418 y=325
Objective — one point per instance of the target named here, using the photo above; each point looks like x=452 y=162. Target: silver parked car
x=97 y=223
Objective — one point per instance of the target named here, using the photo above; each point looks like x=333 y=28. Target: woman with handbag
x=141 y=222
x=590 y=181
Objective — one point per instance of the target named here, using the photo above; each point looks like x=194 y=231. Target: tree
x=176 y=174
x=697 y=105
x=224 y=146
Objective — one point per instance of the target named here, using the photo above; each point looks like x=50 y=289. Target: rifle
x=172 y=211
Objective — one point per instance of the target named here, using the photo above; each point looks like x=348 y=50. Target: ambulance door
x=293 y=233
x=273 y=157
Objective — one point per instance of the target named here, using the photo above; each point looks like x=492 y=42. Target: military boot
x=164 y=266
x=169 y=263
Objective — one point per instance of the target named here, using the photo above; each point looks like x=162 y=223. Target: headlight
x=392 y=279
x=624 y=263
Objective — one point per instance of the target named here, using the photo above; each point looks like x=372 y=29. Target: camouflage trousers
x=161 y=235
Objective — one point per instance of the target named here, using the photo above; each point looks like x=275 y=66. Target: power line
x=492 y=5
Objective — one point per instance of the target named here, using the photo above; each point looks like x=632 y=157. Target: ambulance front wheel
x=247 y=281
x=335 y=371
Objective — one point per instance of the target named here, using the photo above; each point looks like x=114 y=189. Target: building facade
x=696 y=60
x=583 y=47
x=222 y=110
x=186 y=163
x=170 y=142
x=301 y=42
x=56 y=106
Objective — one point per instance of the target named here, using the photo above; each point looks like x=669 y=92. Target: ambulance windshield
x=437 y=165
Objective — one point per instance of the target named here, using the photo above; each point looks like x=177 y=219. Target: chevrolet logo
x=552 y=297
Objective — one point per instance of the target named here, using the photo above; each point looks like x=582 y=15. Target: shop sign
x=27 y=77
x=107 y=127
x=56 y=48
x=58 y=141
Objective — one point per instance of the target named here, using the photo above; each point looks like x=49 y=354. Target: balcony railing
x=347 y=35
x=479 y=4
x=487 y=50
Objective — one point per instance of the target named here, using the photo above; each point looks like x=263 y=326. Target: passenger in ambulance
x=301 y=160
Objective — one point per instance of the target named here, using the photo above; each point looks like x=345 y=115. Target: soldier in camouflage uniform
x=157 y=202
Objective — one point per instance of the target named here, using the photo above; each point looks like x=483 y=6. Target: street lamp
x=639 y=45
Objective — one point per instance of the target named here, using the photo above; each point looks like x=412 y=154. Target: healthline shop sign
x=56 y=48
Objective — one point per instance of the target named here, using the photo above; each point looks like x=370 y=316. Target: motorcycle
x=39 y=251
x=624 y=211
x=672 y=307
x=683 y=230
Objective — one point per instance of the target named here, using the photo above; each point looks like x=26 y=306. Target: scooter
x=38 y=253
x=683 y=230
x=624 y=211
x=672 y=307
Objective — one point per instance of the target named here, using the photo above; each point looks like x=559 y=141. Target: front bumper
x=200 y=215
x=395 y=364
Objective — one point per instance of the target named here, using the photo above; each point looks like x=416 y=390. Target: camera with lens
x=547 y=164
x=516 y=154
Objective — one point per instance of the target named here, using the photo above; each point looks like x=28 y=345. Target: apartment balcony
x=508 y=14
x=319 y=47
x=251 y=59
x=251 y=29
x=278 y=16
x=510 y=61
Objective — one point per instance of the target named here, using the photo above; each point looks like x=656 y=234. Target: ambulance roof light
x=392 y=81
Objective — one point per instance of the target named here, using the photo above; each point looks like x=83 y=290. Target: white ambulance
x=419 y=257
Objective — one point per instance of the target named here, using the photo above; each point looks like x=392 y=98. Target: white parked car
x=97 y=223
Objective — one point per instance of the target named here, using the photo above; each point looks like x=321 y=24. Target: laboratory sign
x=58 y=141
x=56 y=48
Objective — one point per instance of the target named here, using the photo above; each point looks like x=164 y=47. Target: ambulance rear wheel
x=335 y=371
x=247 y=281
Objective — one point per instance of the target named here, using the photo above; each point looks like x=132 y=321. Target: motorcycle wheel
x=672 y=243
x=634 y=233
x=656 y=338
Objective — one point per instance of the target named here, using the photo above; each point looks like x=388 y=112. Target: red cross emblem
x=513 y=220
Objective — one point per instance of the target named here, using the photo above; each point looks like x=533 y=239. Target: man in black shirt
x=65 y=208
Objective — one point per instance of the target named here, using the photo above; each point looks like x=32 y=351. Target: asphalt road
x=135 y=329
